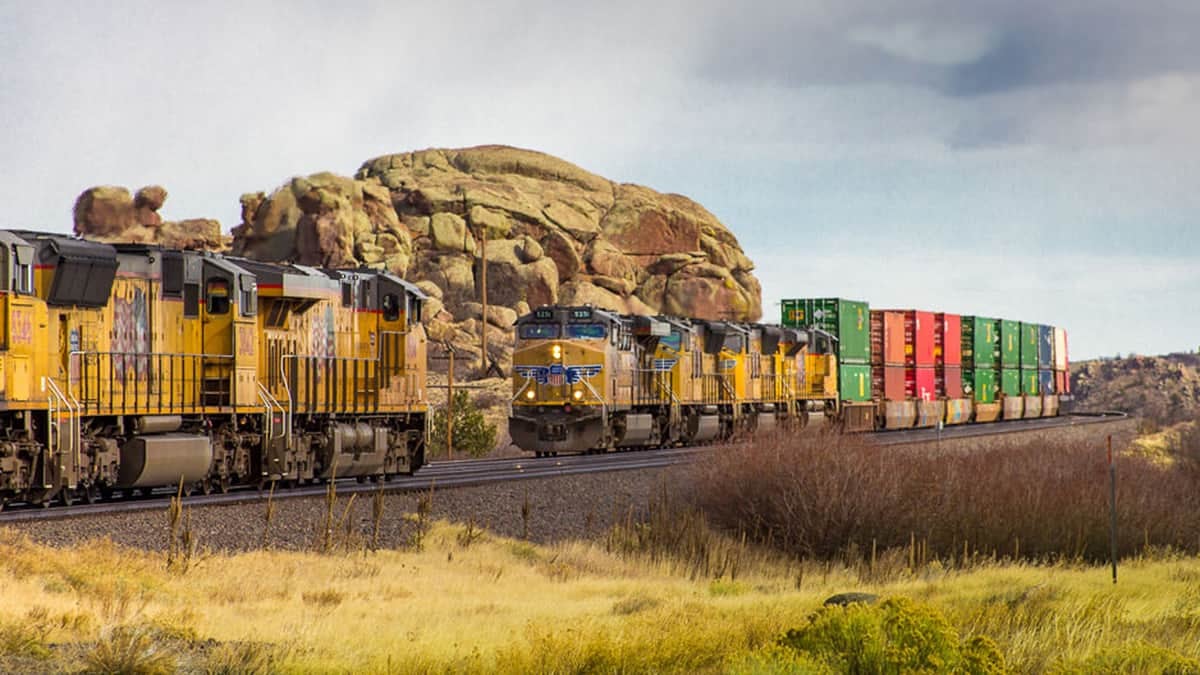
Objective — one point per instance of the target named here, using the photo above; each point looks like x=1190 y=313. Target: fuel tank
x=164 y=459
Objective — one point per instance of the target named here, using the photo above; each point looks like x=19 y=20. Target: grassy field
x=472 y=602
x=986 y=561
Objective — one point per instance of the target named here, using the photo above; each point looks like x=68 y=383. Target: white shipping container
x=1060 y=349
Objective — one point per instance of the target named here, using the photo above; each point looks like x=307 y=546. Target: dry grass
x=511 y=606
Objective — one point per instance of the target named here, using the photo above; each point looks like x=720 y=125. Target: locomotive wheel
x=89 y=494
x=223 y=485
x=66 y=496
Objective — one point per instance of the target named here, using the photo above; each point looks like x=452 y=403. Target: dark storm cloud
x=1028 y=44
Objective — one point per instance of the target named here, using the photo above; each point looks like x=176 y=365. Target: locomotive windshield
x=587 y=331
x=539 y=331
x=673 y=341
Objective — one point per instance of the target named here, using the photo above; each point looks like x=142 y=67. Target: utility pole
x=483 y=300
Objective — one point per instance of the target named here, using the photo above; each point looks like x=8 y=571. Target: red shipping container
x=887 y=338
x=951 y=382
x=920 y=383
x=947 y=339
x=918 y=338
x=1062 y=382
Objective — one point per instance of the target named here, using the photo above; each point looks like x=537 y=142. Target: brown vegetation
x=827 y=497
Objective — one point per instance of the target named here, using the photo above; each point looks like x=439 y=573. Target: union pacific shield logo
x=558 y=374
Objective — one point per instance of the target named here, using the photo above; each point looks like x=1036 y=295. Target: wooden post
x=450 y=405
x=1112 y=493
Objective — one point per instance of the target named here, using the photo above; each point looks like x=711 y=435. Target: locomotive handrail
x=148 y=358
x=72 y=410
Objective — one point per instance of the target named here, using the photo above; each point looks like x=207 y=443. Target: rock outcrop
x=110 y=214
x=554 y=234
x=1164 y=390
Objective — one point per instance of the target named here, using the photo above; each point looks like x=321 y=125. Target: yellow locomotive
x=587 y=379
x=128 y=366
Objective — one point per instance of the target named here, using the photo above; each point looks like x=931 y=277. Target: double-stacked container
x=1010 y=369
x=849 y=323
x=902 y=360
x=1062 y=376
x=1030 y=350
x=947 y=360
x=981 y=365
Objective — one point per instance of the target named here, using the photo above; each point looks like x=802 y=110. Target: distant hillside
x=1164 y=389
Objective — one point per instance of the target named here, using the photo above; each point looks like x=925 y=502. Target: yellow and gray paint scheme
x=132 y=366
x=587 y=379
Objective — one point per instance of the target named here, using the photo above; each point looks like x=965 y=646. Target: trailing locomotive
x=128 y=367
x=587 y=379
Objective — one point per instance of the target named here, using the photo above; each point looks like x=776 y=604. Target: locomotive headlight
x=578 y=394
x=556 y=351
x=530 y=395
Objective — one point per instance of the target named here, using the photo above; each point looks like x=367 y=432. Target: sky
x=1026 y=160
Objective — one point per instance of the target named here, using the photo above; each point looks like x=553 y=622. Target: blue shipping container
x=1045 y=347
x=1046 y=381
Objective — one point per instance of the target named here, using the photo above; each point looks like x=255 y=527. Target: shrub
x=473 y=434
x=130 y=651
x=897 y=636
x=827 y=497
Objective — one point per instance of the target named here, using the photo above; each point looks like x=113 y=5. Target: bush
x=897 y=636
x=472 y=432
x=828 y=497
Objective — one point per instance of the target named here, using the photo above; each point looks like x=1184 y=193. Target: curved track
x=463 y=473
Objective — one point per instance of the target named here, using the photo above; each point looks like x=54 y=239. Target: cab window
x=248 y=300
x=673 y=341
x=586 y=331
x=733 y=342
x=217 y=297
x=539 y=331
x=391 y=307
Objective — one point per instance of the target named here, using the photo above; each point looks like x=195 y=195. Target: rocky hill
x=1162 y=389
x=554 y=233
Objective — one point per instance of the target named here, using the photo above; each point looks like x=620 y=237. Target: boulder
x=561 y=249
x=111 y=214
x=449 y=233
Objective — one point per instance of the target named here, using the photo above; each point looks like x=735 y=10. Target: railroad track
x=465 y=473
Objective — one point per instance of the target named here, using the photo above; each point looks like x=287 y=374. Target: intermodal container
x=1030 y=338
x=918 y=338
x=1060 y=349
x=921 y=383
x=854 y=381
x=981 y=342
x=888 y=381
x=887 y=338
x=1010 y=344
x=1062 y=382
x=1045 y=347
x=1029 y=381
x=979 y=384
x=947 y=340
x=847 y=320
x=1010 y=381
x=1046 y=382
x=949 y=382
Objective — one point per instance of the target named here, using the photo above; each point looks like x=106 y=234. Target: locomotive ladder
x=58 y=442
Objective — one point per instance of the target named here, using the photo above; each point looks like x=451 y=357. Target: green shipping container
x=854 y=382
x=981 y=342
x=847 y=320
x=980 y=384
x=1010 y=381
x=1030 y=335
x=1010 y=344
x=1029 y=381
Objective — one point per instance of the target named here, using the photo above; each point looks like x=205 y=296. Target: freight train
x=587 y=379
x=128 y=367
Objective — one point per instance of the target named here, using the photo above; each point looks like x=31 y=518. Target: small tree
x=473 y=434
